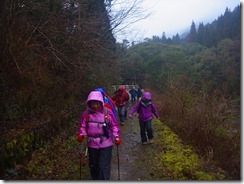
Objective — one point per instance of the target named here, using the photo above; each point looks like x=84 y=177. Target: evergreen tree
x=156 y=38
x=236 y=22
x=226 y=26
x=176 y=39
x=164 y=39
x=169 y=41
x=200 y=33
x=193 y=33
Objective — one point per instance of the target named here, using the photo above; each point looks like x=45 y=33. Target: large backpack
x=110 y=104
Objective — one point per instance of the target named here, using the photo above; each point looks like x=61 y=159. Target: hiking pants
x=100 y=163
x=146 y=130
x=122 y=113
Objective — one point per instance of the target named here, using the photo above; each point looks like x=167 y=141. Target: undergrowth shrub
x=209 y=122
x=180 y=162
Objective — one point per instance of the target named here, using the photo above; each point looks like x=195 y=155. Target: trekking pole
x=118 y=162
x=86 y=152
x=80 y=158
x=131 y=121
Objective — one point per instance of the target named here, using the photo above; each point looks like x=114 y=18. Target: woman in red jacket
x=121 y=98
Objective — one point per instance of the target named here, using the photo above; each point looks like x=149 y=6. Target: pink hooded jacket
x=91 y=124
x=146 y=111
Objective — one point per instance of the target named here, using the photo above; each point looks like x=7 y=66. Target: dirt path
x=131 y=158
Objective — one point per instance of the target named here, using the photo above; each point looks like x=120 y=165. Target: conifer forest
x=53 y=53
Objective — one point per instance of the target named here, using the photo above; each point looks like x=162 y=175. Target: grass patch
x=59 y=159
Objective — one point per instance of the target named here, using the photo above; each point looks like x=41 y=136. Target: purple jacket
x=145 y=111
x=92 y=127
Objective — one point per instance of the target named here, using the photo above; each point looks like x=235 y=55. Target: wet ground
x=131 y=154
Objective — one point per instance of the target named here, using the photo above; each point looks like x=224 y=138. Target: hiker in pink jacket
x=146 y=109
x=99 y=125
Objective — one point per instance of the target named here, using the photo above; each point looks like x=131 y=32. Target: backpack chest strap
x=105 y=109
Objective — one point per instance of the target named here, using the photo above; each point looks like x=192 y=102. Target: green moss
x=179 y=161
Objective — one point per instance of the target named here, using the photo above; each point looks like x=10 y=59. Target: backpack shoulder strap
x=87 y=115
x=105 y=110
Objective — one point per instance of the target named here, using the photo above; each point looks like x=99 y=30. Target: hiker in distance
x=139 y=94
x=100 y=126
x=121 y=99
x=133 y=93
x=145 y=108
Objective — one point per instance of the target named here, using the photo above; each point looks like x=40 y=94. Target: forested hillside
x=198 y=86
x=53 y=53
x=209 y=35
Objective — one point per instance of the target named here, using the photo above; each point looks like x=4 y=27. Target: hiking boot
x=122 y=123
x=150 y=141
x=144 y=143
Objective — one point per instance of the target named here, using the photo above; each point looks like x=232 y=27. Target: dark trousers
x=122 y=113
x=100 y=163
x=146 y=130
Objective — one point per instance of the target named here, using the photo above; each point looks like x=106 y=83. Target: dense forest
x=53 y=53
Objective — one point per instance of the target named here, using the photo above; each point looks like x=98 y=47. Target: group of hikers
x=99 y=124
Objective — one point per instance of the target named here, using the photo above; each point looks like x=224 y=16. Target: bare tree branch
x=125 y=13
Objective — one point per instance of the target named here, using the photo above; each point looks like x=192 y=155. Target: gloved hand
x=80 y=138
x=117 y=141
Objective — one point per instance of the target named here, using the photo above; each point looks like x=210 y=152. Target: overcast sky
x=176 y=16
